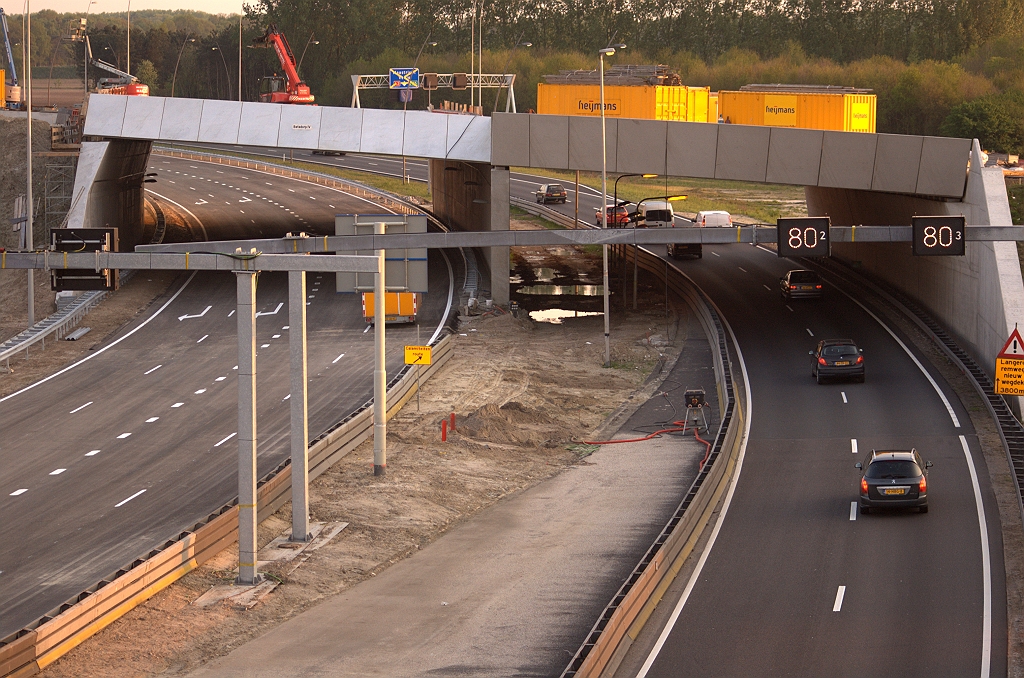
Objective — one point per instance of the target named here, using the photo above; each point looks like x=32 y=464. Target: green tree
x=146 y=73
x=994 y=121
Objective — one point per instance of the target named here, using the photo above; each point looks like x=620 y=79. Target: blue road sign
x=404 y=78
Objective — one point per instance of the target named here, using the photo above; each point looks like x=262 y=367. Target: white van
x=712 y=219
x=656 y=214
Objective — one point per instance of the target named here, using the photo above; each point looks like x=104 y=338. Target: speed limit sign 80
x=804 y=237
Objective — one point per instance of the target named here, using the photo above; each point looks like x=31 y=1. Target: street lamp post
x=615 y=211
x=227 y=76
x=607 y=51
x=667 y=198
x=311 y=40
x=27 y=61
x=175 y=76
x=504 y=70
x=128 y=60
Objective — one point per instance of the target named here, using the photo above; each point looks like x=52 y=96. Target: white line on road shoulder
x=226 y=439
x=986 y=567
x=844 y=396
x=338 y=358
x=152 y=370
x=840 y=594
x=21 y=491
x=80 y=407
x=853 y=510
x=853 y=445
x=125 y=501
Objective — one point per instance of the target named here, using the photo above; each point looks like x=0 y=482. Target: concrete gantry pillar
x=500 y=220
x=299 y=422
x=246 y=312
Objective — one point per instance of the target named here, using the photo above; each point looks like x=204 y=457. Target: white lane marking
x=80 y=407
x=286 y=327
x=123 y=436
x=92 y=453
x=276 y=336
x=809 y=331
x=767 y=288
x=197 y=315
x=853 y=510
x=125 y=501
x=220 y=378
x=790 y=309
x=716 y=254
x=201 y=338
x=264 y=345
x=742 y=269
x=329 y=205
x=57 y=471
x=338 y=358
x=840 y=594
x=367 y=329
x=695 y=575
x=229 y=314
x=21 y=491
x=853 y=445
x=311 y=296
x=201 y=391
x=235 y=367
x=152 y=419
x=844 y=396
x=177 y=404
x=152 y=369
x=286 y=397
x=986 y=566
x=931 y=380
x=226 y=439
x=274 y=312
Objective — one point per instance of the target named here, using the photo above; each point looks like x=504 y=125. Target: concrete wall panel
x=794 y=156
x=426 y=134
x=549 y=141
x=897 y=162
x=382 y=131
x=219 y=124
x=142 y=118
x=585 y=143
x=300 y=126
x=106 y=115
x=341 y=129
x=260 y=124
x=742 y=152
x=473 y=140
x=847 y=160
x=641 y=146
x=692 y=149
x=510 y=139
x=181 y=119
x=943 y=166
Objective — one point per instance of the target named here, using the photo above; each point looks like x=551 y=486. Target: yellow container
x=3 y=90
x=832 y=111
x=713 y=107
x=399 y=307
x=650 y=102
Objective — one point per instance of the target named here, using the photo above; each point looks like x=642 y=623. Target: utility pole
x=29 y=206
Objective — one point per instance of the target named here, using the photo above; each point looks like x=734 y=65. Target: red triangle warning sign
x=1014 y=347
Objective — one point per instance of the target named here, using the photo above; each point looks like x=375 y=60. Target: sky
x=211 y=6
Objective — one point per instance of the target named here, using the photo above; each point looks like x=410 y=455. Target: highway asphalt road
x=112 y=456
x=798 y=583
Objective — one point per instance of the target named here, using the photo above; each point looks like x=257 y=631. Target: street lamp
x=227 y=76
x=128 y=60
x=607 y=51
x=311 y=40
x=175 y=76
x=667 y=198
x=623 y=176
x=504 y=70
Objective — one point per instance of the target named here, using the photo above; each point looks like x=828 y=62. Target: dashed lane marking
x=201 y=391
x=840 y=594
x=176 y=405
x=226 y=439
x=220 y=378
x=80 y=407
x=92 y=453
x=338 y=358
x=809 y=332
x=57 y=471
x=844 y=396
x=853 y=510
x=152 y=369
x=152 y=419
x=125 y=501
x=123 y=436
x=853 y=445
x=21 y=491
x=201 y=338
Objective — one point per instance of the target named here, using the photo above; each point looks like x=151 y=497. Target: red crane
x=275 y=89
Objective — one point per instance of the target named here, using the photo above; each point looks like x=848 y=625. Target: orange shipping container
x=399 y=307
x=831 y=111
x=650 y=102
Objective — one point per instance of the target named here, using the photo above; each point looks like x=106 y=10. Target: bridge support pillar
x=246 y=312
x=299 y=423
x=500 y=220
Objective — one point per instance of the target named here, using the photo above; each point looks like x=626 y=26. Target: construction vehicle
x=399 y=307
x=276 y=89
x=10 y=92
x=124 y=83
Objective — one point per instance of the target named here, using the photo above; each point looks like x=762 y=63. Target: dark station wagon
x=800 y=284
x=894 y=479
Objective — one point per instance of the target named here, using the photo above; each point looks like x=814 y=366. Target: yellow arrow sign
x=417 y=355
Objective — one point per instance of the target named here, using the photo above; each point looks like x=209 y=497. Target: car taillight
x=821 y=361
x=792 y=287
x=864 y=486
x=922 y=486
x=817 y=287
x=860 y=359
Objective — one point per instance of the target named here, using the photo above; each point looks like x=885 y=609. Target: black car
x=551 y=193
x=894 y=479
x=837 y=358
x=800 y=284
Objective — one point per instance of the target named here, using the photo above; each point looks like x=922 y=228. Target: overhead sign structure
x=1010 y=366
x=417 y=355
x=804 y=237
x=939 y=236
x=83 y=240
x=404 y=78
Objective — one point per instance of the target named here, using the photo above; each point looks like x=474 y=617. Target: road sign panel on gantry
x=404 y=270
x=804 y=237
x=404 y=78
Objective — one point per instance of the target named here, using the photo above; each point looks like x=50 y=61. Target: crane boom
x=296 y=91
x=7 y=45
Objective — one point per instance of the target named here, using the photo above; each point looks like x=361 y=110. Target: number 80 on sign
x=939 y=236
x=804 y=237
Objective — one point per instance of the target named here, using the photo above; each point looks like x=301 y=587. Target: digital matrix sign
x=939 y=236
x=804 y=237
